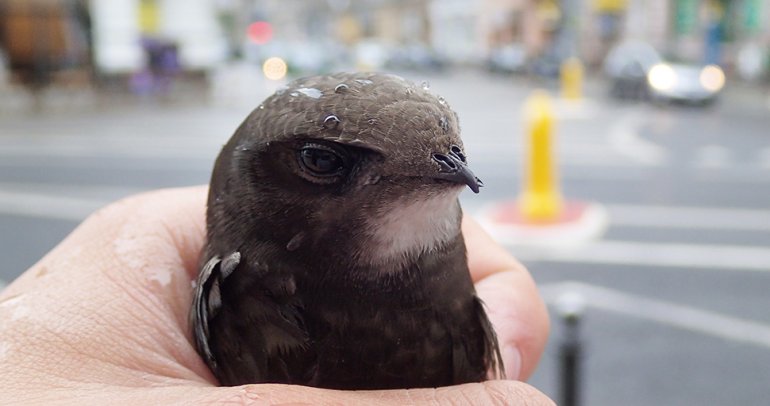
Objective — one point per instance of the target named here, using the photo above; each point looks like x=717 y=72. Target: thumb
x=520 y=320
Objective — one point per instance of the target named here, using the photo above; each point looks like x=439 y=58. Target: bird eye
x=320 y=160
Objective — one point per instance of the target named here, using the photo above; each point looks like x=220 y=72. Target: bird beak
x=455 y=169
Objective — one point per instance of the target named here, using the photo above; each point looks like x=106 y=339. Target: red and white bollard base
x=579 y=222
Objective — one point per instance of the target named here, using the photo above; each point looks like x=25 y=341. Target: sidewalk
x=111 y=94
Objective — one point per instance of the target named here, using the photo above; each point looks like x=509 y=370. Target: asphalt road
x=675 y=290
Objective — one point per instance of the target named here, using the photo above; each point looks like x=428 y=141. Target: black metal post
x=570 y=307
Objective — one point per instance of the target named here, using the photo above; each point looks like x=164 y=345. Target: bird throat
x=408 y=228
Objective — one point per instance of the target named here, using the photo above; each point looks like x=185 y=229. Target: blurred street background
x=663 y=120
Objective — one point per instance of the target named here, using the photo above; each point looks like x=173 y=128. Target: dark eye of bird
x=321 y=161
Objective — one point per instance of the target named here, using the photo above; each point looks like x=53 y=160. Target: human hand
x=103 y=318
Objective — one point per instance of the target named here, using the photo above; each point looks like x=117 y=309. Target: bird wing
x=249 y=326
x=491 y=347
x=207 y=300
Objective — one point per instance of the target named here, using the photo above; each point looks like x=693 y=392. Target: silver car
x=685 y=83
x=637 y=71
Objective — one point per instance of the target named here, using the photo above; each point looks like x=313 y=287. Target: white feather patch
x=410 y=227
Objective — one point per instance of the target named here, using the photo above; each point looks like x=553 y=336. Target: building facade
x=731 y=33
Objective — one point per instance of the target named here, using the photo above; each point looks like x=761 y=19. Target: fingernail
x=511 y=361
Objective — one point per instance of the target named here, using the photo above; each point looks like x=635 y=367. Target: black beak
x=454 y=168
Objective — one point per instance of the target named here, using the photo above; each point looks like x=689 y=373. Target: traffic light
x=260 y=32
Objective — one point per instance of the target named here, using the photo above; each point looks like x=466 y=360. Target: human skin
x=102 y=319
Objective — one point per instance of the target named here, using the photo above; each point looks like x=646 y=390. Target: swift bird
x=335 y=257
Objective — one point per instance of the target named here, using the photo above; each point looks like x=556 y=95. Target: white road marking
x=624 y=139
x=668 y=255
x=733 y=175
x=689 y=217
x=123 y=163
x=162 y=147
x=622 y=146
x=95 y=192
x=569 y=151
x=663 y=312
x=580 y=109
x=47 y=205
x=712 y=156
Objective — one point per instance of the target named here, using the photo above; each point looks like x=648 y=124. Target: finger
x=170 y=223
x=485 y=255
x=487 y=393
x=126 y=271
x=513 y=303
x=519 y=318
x=146 y=247
x=173 y=217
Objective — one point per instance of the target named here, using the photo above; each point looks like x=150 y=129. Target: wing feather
x=248 y=324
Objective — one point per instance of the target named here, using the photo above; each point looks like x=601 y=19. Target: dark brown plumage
x=334 y=255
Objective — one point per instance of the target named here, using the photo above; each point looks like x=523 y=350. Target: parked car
x=626 y=66
x=685 y=83
x=637 y=71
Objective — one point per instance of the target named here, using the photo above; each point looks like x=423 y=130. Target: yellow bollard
x=572 y=79
x=541 y=199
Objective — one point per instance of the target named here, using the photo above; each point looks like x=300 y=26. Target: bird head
x=349 y=162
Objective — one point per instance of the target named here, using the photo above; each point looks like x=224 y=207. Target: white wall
x=192 y=24
x=455 y=30
x=116 y=36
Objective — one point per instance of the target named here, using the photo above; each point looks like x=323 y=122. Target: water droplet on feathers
x=444 y=123
x=331 y=121
x=310 y=92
